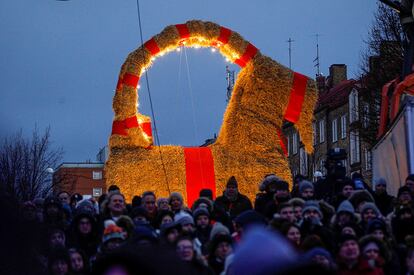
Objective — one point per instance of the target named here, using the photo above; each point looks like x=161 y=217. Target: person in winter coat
x=219 y=248
x=382 y=199
x=349 y=258
x=232 y=201
x=185 y=251
x=268 y=188
x=84 y=234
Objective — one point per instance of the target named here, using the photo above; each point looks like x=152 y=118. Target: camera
x=334 y=163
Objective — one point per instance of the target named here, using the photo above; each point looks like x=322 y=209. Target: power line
x=151 y=105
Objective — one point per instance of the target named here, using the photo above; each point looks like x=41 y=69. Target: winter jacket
x=234 y=208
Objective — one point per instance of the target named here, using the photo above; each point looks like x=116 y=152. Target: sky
x=59 y=61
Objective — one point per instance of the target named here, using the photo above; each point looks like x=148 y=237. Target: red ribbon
x=183 y=31
x=282 y=141
x=152 y=46
x=248 y=54
x=119 y=127
x=199 y=172
x=146 y=127
x=128 y=79
x=297 y=95
x=224 y=35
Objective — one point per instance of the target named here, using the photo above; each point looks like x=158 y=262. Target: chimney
x=337 y=74
x=321 y=83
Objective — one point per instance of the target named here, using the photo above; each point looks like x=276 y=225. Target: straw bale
x=247 y=146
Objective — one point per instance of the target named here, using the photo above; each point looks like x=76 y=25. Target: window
x=354 y=147
x=334 y=130
x=97 y=175
x=322 y=167
x=295 y=143
x=288 y=144
x=365 y=115
x=303 y=161
x=353 y=106
x=343 y=126
x=314 y=133
x=368 y=159
x=322 y=131
x=96 y=192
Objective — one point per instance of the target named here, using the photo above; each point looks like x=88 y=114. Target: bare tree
x=24 y=163
x=381 y=62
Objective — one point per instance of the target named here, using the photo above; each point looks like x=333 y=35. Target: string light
x=213 y=50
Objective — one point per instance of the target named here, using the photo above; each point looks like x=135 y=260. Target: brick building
x=338 y=122
x=85 y=178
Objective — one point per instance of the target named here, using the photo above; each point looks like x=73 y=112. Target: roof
x=81 y=165
x=336 y=96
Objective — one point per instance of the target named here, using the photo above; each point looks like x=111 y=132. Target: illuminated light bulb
x=178 y=49
x=213 y=50
x=139 y=86
x=152 y=58
x=197 y=46
x=142 y=70
x=227 y=60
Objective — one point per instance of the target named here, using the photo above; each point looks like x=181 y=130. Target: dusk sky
x=59 y=61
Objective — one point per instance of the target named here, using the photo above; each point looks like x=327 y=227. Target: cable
x=152 y=108
x=190 y=87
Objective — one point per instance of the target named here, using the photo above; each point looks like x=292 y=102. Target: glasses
x=184 y=247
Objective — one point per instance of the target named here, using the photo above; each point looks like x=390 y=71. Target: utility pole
x=290 y=52
x=317 y=59
x=230 y=82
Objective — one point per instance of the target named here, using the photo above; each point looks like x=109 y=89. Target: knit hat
x=346 y=237
x=200 y=211
x=370 y=205
x=85 y=206
x=297 y=202
x=318 y=251
x=311 y=205
x=346 y=206
x=371 y=242
x=175 y=195
x=183 y=218
x=219 y=229
x=403 y=189
x=303 y=185
x=139 y=211
x=52 y=201
x=217 y=240
x=369 y=246
x=250 y=217
x=264 y=252
x=160 y=200
x=166 y=227
x=112 y=231
x=376 y=224
x=282 y=185
x=268 y=180
x=207 y=193
x=381 y=181
x=232 y=181
x=360 y=196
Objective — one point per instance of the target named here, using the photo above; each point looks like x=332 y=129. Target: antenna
x=317 y=59
x=290 y=51
x=230 y=82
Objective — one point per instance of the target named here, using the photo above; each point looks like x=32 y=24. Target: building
x=340 y=115
x=85 y=178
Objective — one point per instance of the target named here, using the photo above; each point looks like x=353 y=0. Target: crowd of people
x=360 y=229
